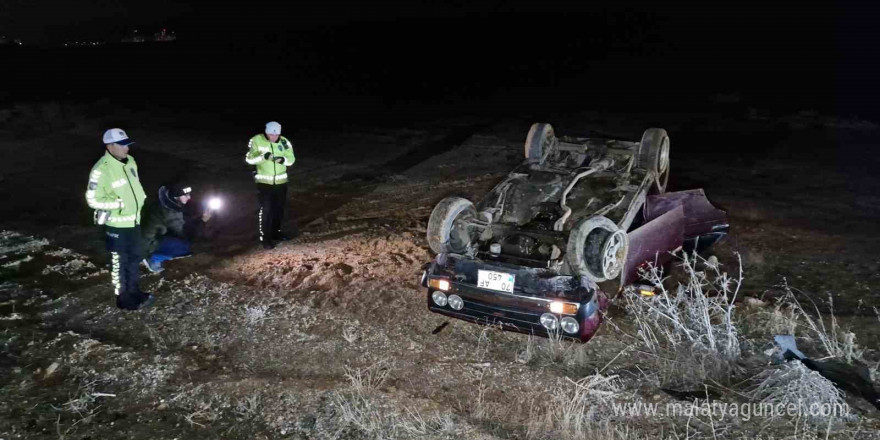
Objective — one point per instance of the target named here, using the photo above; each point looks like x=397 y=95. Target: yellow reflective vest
x=268 y=170
x=114 y=186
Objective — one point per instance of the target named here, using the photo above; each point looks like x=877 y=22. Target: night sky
x=733 y=22
x=753 y=48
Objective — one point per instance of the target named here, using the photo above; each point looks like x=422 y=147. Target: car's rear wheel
x=539 y=141
x=597 y=249
x=448 y=226
x=653 y=156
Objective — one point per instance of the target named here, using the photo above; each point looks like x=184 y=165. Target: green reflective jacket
x=269 y=171
x=114 y=186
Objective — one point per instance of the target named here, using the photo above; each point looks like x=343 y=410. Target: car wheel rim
x=664 y=156
x=460 y=234
x=546 y=141
x=612 y=258
x=457 y=238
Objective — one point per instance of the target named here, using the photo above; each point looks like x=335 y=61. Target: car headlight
x=439 y=298
x=549 y=321
x=456 y=302
x=439 y=284
x=562 y=308
x=570 y=325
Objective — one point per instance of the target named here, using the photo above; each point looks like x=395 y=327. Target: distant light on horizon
x=84 y=43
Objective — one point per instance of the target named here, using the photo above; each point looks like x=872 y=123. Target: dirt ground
x=328 y=335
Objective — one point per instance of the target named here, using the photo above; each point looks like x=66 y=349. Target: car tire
x=654 y=157
x=597 y=249
x=446 y=232
x=539 y=140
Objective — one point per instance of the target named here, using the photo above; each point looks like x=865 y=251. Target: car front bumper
x=521 y=310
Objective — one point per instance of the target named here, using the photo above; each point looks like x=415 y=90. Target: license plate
x=500 y=281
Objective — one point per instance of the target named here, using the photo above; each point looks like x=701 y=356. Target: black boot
x=280 y=236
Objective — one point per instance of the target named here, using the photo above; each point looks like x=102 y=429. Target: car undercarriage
x=576 y=212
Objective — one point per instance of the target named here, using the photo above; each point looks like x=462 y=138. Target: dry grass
x=438 y=425
x=358 y=406
x=543 y=351
x=576 y=410
x=249 y=408
x=205 y=413
x=792 y=385
x=364 y=410
x=781 y=319
x=686 y=335
x=603 y=430
x=365 y=380
x=83 y=406
x=554 y=350
x=361 y=413
x=691 y=331
x=699 y=314
x=209 y=315
x=823 y=333
x=350 y=333
x=255 y=315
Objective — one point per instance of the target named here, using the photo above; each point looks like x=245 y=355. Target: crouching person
x=166 y=234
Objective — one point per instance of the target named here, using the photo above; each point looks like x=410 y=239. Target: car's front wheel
x=597 y=249
x=448 y=228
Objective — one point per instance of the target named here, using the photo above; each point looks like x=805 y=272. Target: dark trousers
x=124 y=245
x=272 y=199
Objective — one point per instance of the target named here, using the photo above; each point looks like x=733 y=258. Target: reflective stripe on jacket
x=269 y=171
x=114 y=186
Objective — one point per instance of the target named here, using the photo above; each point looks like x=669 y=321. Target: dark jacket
x=165 y=217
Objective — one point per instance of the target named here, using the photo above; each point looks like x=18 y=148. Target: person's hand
x=267 y=156
x=206 y=216
x=279 y=160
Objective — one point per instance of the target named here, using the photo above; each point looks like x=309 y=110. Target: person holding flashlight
x=166 y=233
x=271 y=154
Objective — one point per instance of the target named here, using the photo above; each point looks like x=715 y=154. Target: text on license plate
x=488 y=279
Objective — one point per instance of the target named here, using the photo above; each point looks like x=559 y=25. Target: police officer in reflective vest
x=271 y=153
x=115 y=193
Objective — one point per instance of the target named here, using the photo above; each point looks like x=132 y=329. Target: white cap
x=273 y=128
x=117 y=136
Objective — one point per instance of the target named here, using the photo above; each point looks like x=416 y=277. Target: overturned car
x=576 y=212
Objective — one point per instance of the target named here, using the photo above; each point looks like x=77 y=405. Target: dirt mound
x=342 y=272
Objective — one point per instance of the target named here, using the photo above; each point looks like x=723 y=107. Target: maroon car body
x=577 y=212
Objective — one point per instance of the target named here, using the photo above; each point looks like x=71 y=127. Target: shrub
x=690 y=329
x=792 y=385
